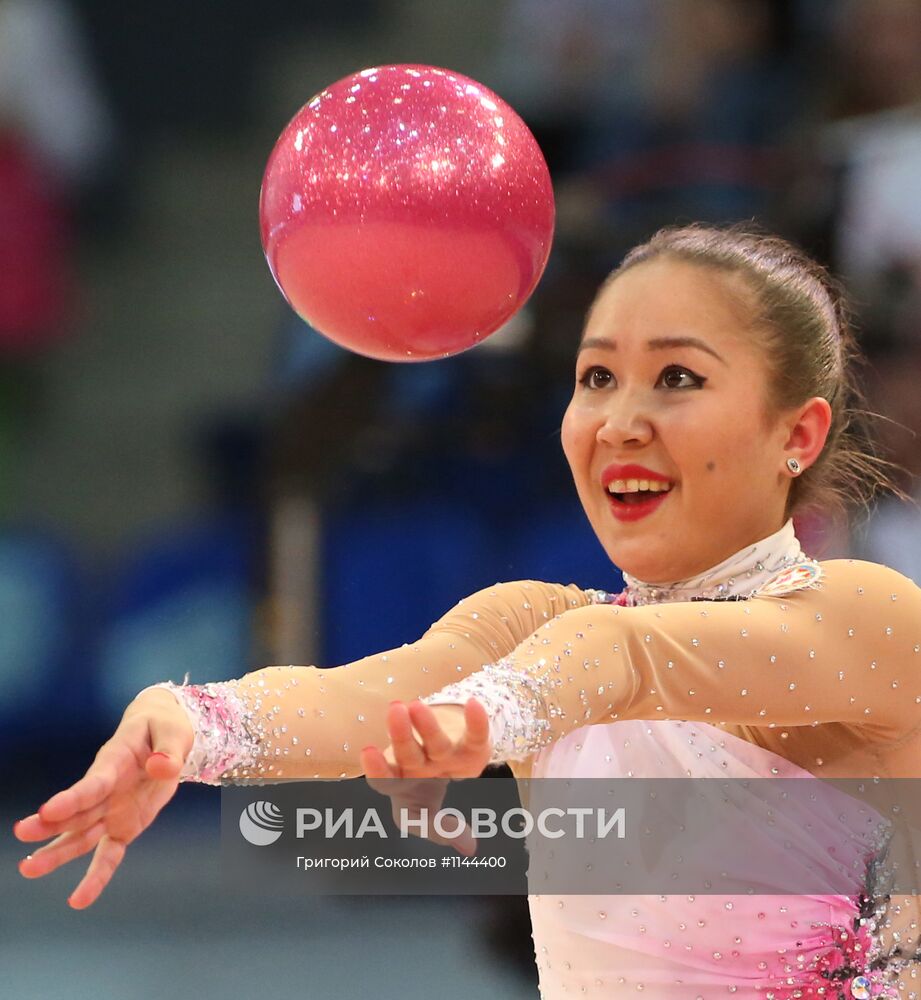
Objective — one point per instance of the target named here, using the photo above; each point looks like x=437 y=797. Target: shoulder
x=871 y=592
x=867 y=579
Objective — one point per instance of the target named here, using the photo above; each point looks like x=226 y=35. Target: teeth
x=636 y=485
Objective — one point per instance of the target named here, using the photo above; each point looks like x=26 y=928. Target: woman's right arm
x=290 y=723
x=278 y=723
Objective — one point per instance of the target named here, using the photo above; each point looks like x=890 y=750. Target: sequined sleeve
x=847 y=652
x=297 y=722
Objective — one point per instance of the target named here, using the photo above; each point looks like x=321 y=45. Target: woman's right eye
x=596 y=377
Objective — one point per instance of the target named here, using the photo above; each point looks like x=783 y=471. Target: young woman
x=710 y=403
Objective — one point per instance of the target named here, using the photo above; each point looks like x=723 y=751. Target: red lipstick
x=633 y=510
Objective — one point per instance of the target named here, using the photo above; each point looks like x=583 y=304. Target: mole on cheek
x=711 y=466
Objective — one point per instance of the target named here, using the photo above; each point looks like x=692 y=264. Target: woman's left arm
x=846 y=651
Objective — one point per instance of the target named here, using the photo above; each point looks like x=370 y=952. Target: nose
x=625 y=422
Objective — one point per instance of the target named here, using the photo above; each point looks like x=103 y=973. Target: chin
x=653 y=560
x=636 y=559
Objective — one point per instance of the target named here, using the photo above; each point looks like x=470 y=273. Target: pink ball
x=406 y=212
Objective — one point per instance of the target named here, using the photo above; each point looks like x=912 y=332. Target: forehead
x=667 y=297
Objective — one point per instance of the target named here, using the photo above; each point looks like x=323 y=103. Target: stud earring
x=794 y=466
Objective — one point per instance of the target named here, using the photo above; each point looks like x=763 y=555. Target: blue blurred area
x=76 y=648
x=45 y=633
x=389 y=573
x=179 y=604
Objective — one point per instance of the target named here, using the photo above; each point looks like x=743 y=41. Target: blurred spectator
x=861 y=201
x=701 y=139
x=864 y=193
x=879 y=49
x=893 y=534
x=568 y=65
x=54 y=134
x=48 y=93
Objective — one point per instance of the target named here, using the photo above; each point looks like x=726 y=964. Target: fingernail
x=160 y=753
x=365 y=749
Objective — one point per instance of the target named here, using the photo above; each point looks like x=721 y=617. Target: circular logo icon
x=261 y=823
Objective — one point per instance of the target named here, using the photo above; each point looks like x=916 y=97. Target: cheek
x=733 y=457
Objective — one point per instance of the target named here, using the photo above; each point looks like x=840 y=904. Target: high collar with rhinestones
x=738 y=576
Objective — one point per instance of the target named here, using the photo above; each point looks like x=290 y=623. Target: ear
x=808 y=431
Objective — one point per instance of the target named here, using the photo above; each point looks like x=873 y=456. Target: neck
x=738 y=576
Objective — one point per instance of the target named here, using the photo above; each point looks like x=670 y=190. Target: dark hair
x=810 y=348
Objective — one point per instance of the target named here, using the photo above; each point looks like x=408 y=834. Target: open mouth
x=636 y=497
x=634 y=491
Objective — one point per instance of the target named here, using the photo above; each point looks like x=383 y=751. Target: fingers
x=462 y=840
x=93 y=788
x=421 y=748
x=33 y=828
x=409 y=798
x=108 y=856
x=436 y=744
x=64 y=848
x=477 y=720
x=425 y=743
x=407 y=725
x=115 y=762
x=408 y=814
x=376 y=768
x=407 y=752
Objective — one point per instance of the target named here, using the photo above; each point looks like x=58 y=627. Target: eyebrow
x=656 y=344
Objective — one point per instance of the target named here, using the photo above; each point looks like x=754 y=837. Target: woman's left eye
x=673 y=375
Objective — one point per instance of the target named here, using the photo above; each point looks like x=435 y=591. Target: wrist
x=225 y=733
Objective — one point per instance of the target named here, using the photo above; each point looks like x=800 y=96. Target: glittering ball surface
x=406 y=212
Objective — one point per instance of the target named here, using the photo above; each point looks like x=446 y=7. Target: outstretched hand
x=132 y=778
x=428 y=747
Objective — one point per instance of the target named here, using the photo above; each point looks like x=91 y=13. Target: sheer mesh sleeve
x=297 y=722
x=847 y=653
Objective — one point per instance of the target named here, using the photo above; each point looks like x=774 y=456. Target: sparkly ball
x=406 y=212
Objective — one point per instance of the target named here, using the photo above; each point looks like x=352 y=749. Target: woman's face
x=671 y=388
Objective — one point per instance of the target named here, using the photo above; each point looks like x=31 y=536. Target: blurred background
x=194 y=481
